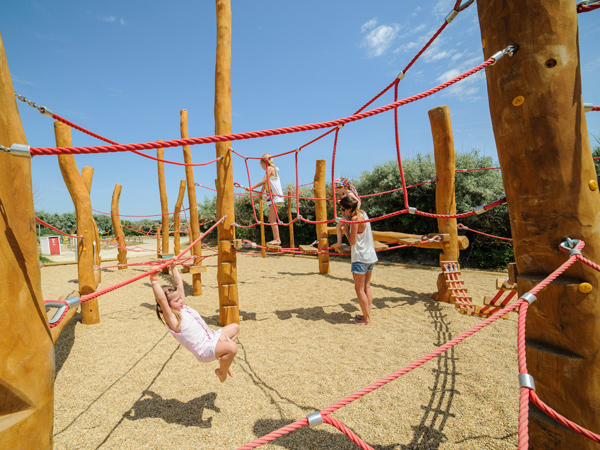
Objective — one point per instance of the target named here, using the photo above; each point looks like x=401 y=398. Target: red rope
x=93 y=295
x=126 y=215
x=587 y=8
x=97 y=136
x=254 y=134
x=47 y=225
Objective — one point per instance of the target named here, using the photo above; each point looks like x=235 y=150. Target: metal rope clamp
x=62 y=307
x=570 y=245
x=528 y=297
x=17 y=150
x=526 y=380
x=510 y=50
x=315 y=419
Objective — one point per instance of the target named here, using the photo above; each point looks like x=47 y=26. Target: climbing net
x=527 y=385
x=323 y=416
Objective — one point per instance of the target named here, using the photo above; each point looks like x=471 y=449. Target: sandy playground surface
x=125 y=383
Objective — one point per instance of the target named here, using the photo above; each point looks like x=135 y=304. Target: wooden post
x=227 y=264
x=445 y=200
x=116 y=222
x=321 y=215
x=291 y=227
x=176 y=220
x=90 y=313
x=191 y=186
x=87 y=173
x=261 y=217
x=164 y=204
x=550 y=184
x=26 y=349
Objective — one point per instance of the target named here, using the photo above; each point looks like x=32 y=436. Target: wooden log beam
x=291 y=227
x=445 y=201
x=413 y=239
x=87 y=174
x=177 y=219
x=117 y=228
x=164 y=205
x=26 y=348
x=86 y=258
x=227 y=264
x=191 y=186
x=321 y=215
x=544 y=153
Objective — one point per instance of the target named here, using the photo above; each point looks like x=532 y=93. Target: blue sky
x=125 y=70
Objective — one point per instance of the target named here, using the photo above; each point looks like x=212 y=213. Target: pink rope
x=254 y=134
x=47 y=225
x=97 y=136
x=93 y=295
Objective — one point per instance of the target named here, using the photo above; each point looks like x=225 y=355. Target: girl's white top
x=275 y=184
x=196 y=336
x=363 y=249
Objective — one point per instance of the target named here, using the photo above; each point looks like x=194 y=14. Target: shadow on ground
x=189 y=414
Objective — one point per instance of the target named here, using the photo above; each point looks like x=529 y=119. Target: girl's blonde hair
x=159 y=311
x=268 y=160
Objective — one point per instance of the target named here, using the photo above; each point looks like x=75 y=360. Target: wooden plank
x=412 y=239
x=309 y=249
x=379 y=246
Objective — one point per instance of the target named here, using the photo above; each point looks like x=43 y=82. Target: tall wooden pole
x=26 y=348
x=86 y=257
x=191 y=186
x=549 y=178
x=291 y=227
x=87 y=174
x=176 y=217
x=445 y=199
x=261 y=217
x=164 y=205
x=229 y=311
x=321 y=215
x=118 y=229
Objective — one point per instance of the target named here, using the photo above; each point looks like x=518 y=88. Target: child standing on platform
x=272 y=183
x=186 y=325
x=363 y=257
x=343 y=189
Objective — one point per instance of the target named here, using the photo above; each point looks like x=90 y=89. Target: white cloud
x=112 y=19
x=467 y=89
x=379 y=39
x=368 y=25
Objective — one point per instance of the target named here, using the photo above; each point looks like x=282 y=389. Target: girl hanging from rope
x=275 y=192
x=363 y=256
x=343 y=188
x=186 y=325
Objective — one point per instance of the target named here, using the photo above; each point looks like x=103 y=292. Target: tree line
x=473 y=189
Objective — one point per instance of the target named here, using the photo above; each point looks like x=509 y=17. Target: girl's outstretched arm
x=177 y=281
x=262 y=182
x=161 y=299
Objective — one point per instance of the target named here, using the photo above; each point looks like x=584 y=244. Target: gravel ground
x=125 y=383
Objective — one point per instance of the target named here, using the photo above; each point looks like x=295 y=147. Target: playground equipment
x=540 y=136
x=194 y=226
x=87 y=247
x=26 y=342
x=229 y=310
x=118 y=229
x=164 y=205
x=547 y=168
